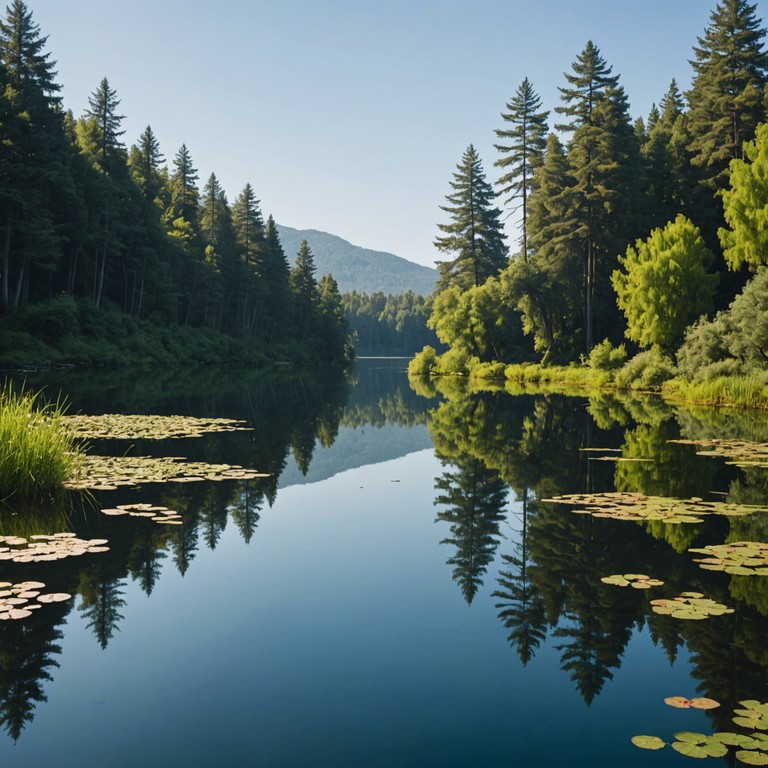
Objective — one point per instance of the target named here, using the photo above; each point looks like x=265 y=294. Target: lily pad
x=114 y=426
x=636 y=580
x=752 y=714
x=752 y=757
x=648 y=742
x=117 y=471
x=698 y=745
x=688 y=607
x=738 y=558
x=640 y=508
x=681 y=702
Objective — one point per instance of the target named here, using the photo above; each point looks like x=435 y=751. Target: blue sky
x=349 y=116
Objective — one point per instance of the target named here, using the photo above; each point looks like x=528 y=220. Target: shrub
x=605 y=357
x=423 y=362
x=646 y=370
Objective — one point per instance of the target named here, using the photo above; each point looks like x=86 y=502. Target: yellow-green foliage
x=745 y=206
x=36 y=453
x=663 y=284
x=740 y=391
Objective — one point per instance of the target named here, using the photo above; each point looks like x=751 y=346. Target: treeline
x=629 y=230
x=388 y=325
x=89 y=226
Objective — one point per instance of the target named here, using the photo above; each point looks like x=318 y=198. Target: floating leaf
x=752 y=757
x=648 y=742
x=117 y=471
x=704 y=703
x=698 y=745
x=689 y=606
x=640 y=508
x=636 y=580
x=681 y=702
x=113 y=426
x=739 y=558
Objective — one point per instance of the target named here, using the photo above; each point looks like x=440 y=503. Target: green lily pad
x=115 y=426
x=698 y=745
x=688 y=607
x=640 y=508
x=636 y=580
x=648 y=742
x=752 y=757
x=113 y=471
x=739 y=558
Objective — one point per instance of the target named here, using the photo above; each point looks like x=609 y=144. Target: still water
x=395 y=593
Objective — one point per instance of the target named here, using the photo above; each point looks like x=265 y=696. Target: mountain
x=356 y=268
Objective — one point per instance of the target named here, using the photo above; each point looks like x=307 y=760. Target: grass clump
x=36 y=452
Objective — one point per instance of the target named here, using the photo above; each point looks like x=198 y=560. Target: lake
x=395 y=590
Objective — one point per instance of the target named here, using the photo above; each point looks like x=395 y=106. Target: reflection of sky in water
x=338 y=638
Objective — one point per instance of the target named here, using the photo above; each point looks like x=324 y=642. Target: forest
x=642 y=244
x=108 y=255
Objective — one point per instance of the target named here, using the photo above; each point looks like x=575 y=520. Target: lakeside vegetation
x=110 y=256
x=642 y=253
x=37 y=453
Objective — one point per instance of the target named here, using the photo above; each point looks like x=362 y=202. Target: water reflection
x=549 y=574
x=538 y=564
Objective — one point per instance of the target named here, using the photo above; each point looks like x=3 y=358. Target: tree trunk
x=5 y=270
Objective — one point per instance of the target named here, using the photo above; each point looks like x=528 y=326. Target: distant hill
x=358 y=269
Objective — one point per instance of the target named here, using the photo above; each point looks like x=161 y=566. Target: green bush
x=646 y=370
x=423 y=362
x=605 y=357
x=51 y=320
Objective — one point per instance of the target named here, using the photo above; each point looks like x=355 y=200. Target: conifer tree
x=102 y=109
x=523 y=148
x=34 y=153
x=145 y=161
x=726 y=96
x=277 y=286
x=474 y=235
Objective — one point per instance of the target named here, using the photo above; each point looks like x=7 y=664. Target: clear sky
x=350 y=116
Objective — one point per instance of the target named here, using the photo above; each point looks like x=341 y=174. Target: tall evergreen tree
x=603 y=155
x=248 y=224
x=305 y=295
x=146 y=163
x=185 y=195
x=277 y=286
x=726 y=96
x=34 y=153
x=102 y=109
x=523 y=148
x=474 y=236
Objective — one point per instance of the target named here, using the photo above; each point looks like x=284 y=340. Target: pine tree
x=278 y=294
x=726 y=96
x=184 y=193
x=102 y=109
x=248 y=224
x=475 y=235
x=305 y=295
x=145 y=161
x=34 y=154
x=603 y=156
x=523 y=149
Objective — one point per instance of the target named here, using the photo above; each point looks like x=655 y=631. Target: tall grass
x=748 y=391
x=36 y=453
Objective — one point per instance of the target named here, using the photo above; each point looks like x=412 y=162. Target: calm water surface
x=394 y=594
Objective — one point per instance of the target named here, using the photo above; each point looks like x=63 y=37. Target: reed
x=748 y=391
x=37 y=455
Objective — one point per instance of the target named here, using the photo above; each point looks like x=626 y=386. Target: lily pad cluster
x=107 y=473
x=681 y=702
x=750 y=748
x=740 y=558
x=17 y=601
x=742 y=453
x=642 y=508
x=154 y=512
x=690 y=606
x=117 y=426
x=635 y=580
x=42 y=548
